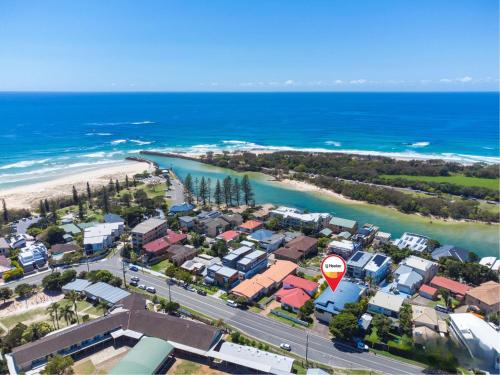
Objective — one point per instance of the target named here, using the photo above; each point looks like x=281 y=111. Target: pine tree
x=247 y=190
x=89 y=193
x=75 y=195
x=196 y=189
x=43 y=211
x=47 y=206
x=111 y=186
x=209 y=191
x=203 y=191
x=127 y=185
x=53 y=211
x=188 y=188
x=218 y=193
x=236 y=191
x=5 y=212
x=226 y=190
x=81 y=211
x=117 y=186
x=105 y=200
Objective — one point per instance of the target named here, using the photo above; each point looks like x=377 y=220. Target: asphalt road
x=320 y=349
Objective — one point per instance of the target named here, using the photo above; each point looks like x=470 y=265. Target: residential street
x=266 y=329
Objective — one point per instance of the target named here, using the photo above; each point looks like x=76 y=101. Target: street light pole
x=123 y=269
x=307 y=348
x=169 y=295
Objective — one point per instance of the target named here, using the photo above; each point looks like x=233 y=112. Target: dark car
x=133 y=268
x=201 y=292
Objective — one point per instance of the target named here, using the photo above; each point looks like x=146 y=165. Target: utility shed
x=146 y=357
x=106 y=292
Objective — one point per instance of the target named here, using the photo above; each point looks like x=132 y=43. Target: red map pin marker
x=333 y=268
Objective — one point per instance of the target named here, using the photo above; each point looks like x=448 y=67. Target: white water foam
x=139 y=142
x=333 y=143
x=24 y=164
x=118 y=141
x=420 y=144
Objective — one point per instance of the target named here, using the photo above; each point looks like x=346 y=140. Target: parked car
x=133 y=283
x=441 y=308
x=286 y=347
x=190 y=288
x=360 y=344
x=201 y=292
x=231 y=303
x=142 y=286
x=151 y=289
x=134 y=278
x=133 y=268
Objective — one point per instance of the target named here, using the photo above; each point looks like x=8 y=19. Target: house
x=412 y=241
x=211 y=226
x=33 y=256
x=113 y=218
x=486 y=296
x=481 y=339
x=308 y=286
x=295 y=218
x=291 y=235
x=378 y=267
x=427 y=291
x=425 y=268
x=330 y=303
x=263 y=283
x=344 y=248
x=155 y=249
x=230 y=259
x=4 y=247
x=357 y=263
x=182 y=209
x=199 y=263
x=381 y=239
x=147 y=231
x=249 y=244
x=252 y=263
x=228 y=236
x=71 y=229
x=292 y=299
x=366 y=234
x=450 y=251
x=178 y=254
x=407 y=280
x=101 y=236
x=267 y=239
x=62 y=248
x=19 y=241
x=386 y=304
x=423 y=316
x=5 y=265
x=234 y=219
x=250 y=226
x=424 y=336
x=457 y=290
x=186 y=222
x=222 y=276
x=297 y=249
x=488 y=262
x=325 y=232
x=338 y=224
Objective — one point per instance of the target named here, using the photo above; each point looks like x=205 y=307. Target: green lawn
x=84 y=368
x=163 y=265
x=27 y=316
x=489 y=183
x=284 y=320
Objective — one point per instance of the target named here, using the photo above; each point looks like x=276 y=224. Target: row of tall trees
x=229 y=192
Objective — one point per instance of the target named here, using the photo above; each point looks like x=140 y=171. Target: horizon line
x=246 y=92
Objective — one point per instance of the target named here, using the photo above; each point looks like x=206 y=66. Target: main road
x=265 y=329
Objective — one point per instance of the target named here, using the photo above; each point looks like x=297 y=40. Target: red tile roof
x=295 y=297
x=451 y=285
x=298 y=282
x=428 y=289
x=164 y=242
x=251 y=224
x=228 y=235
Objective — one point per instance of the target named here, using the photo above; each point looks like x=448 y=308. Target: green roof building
x=146 y=357
x=338 y=224
x=71 y=229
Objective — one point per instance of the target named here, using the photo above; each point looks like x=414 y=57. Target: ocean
x=44 y=135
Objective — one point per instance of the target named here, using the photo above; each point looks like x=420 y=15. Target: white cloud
x=358 y=81
x=289 y=82
x=465 y=79
x=338 y=82
x=445 y=80
x=214 y=83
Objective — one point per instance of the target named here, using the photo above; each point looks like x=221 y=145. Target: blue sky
x=249 y=45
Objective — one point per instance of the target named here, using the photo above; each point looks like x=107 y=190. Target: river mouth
x=481 y=238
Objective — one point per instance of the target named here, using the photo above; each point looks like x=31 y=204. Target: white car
x=151 y=289
x=142 y=286
x=286 y=347
x=231 y=303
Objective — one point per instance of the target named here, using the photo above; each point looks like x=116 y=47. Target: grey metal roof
x=106 y=292
x=359 y=259
x=148 y=225
x=78 y=285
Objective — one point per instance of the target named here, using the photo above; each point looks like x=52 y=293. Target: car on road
x=151 y=289
x=360 y=344
x=133 y=283
x=142 y=286
x=231 y=303
x=133 y=268
x=201 y=292
x=135 y=278
x=286 y=347
x=190 y=288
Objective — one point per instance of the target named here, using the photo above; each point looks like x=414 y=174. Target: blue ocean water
x=43 y=135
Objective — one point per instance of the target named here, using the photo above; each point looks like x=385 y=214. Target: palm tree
x=53 y=311
x=103 y=305
x=73 y=297
x=66 y=313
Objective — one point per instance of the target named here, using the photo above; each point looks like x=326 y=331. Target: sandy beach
x=28 y=196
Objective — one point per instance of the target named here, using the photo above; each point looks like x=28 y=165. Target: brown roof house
x=297 y=249
x=178 y=254
x=486 y=296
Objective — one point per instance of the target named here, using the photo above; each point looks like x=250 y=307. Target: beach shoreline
x=28 y=196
